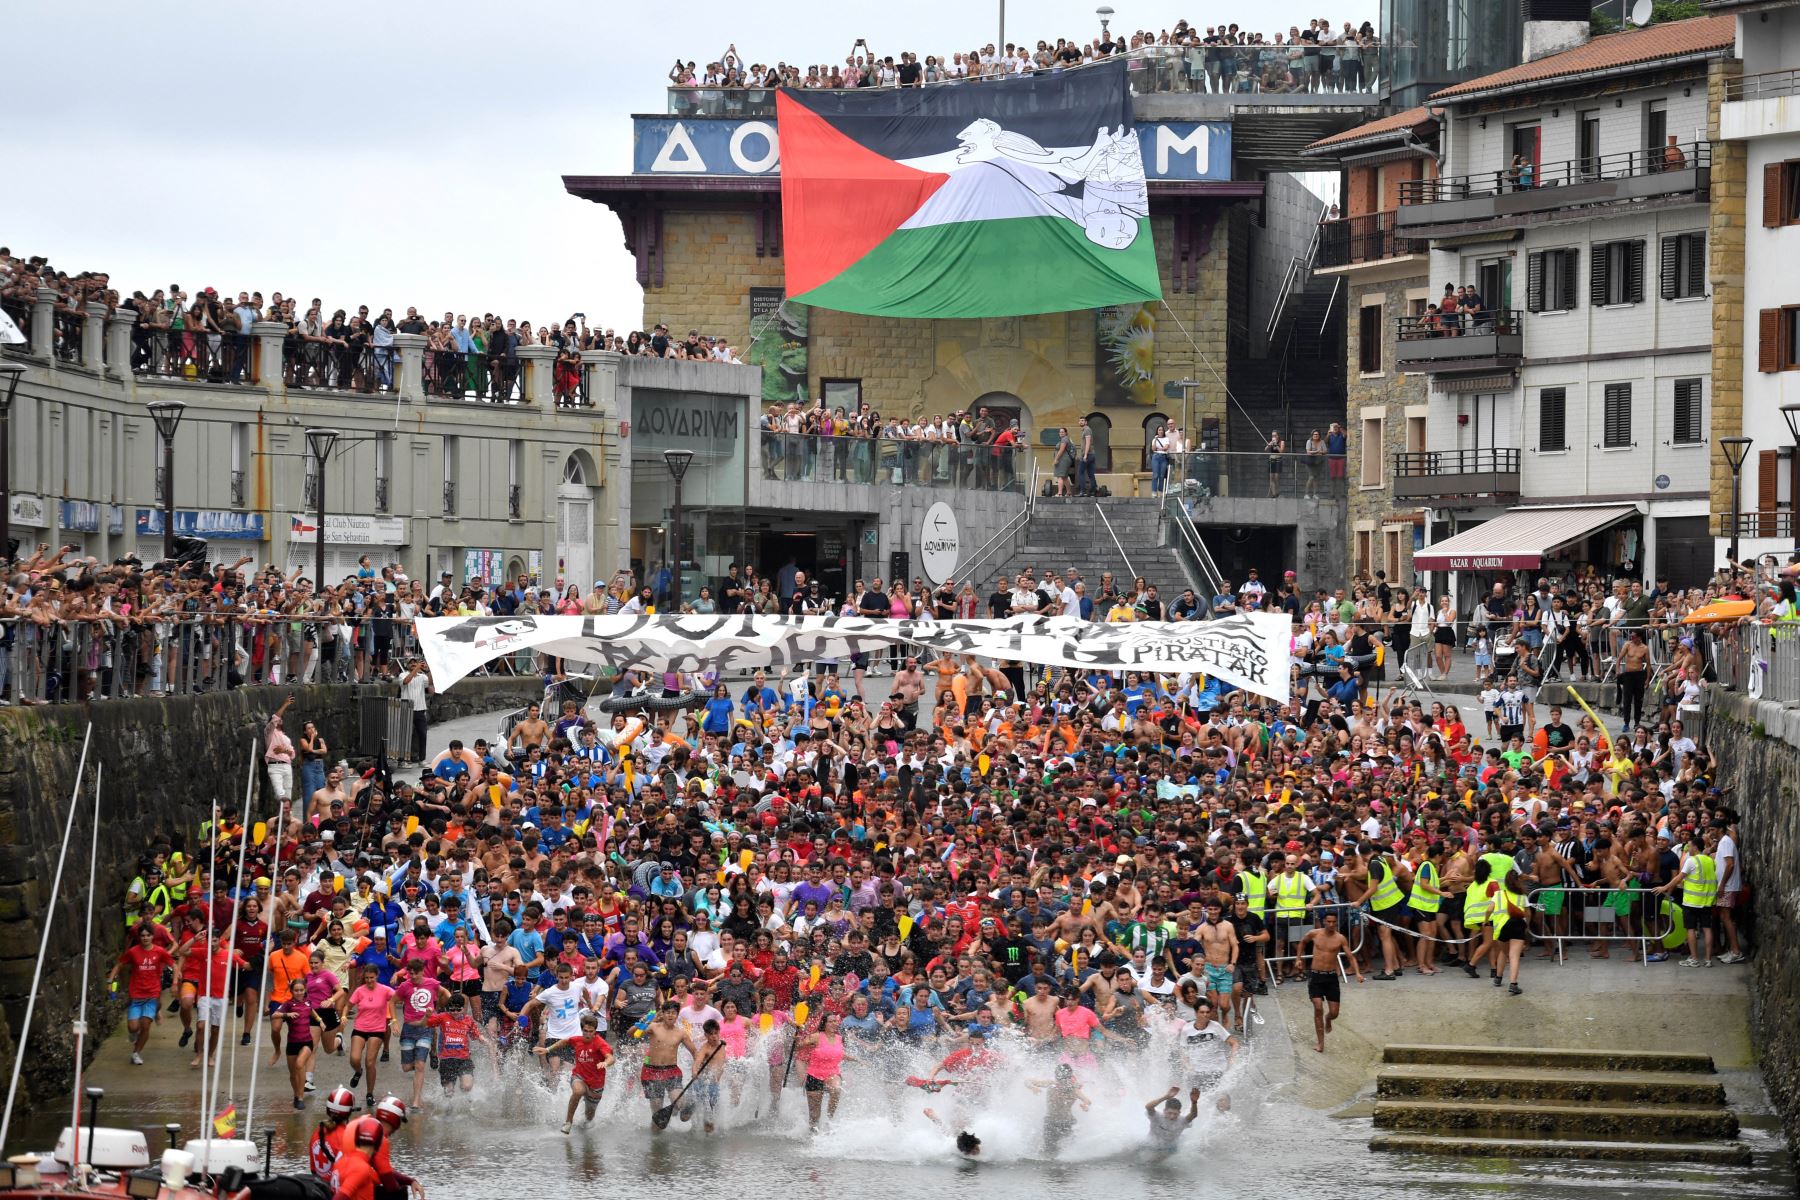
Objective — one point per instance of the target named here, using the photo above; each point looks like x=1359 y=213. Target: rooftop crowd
x=1320 y=57
x=206 y=335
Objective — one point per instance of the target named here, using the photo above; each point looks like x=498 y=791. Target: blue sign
x=1188 y=151
x=203 y=523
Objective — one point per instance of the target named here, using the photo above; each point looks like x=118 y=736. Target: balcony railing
x=1487 y=472
x=180 y=354
x=456 y=375
x=339 y=367
x=807 y=458
x=1225 y=70
x=1764 y=86
x=1459 y=342
x=1362 y=239
x=1202 y=475
x=69 y=324
x=1497 y=195
x=1769 y=523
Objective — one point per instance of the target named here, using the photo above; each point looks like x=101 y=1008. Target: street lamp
x=677 y=461
x=1735 y=450
x=1104 y=12
x=10 y=374
x=167 y=415
x=320 y=442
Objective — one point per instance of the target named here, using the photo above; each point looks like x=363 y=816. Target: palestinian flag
x=988 y=199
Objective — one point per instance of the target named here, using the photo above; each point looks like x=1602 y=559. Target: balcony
x=1428 y=474
x=1568 y=190
x=1488 y=341
x=1351 y=242
x=1761 y=105
x=1769 y=523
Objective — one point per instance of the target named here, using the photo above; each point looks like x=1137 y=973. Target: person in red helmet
x=389 y=1115
x=322 y=1150
x=354 y=1176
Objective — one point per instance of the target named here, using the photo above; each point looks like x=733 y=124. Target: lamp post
x=1735 y=449
x=167 y=415
x=10 y=374
x=320 y=442
x=677 y=461
x=1104 y=12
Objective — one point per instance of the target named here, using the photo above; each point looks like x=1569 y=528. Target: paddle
x=930 y=1085
x=800 y=1014
x=660 y=1118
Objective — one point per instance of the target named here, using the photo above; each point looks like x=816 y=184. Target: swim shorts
x=660 y=1083
x=1218 y=979
x=1324 y=985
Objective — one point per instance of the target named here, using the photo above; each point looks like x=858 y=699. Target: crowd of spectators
x=206 y=335
x=1212 y=58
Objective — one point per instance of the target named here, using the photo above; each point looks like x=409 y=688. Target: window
x=1365 y=546
x=1371 y=452
x=1616 y=275
x=384 y=470
x=1550 y=280
x=1778 y=339
x=1684 y=266
x=1656 y=131
x=1493 y=276
x=451 y=455
x=1368 y=339
x=1689 y=430
x=1587 y=143
x=1391 y=555
x=515 y=479
x=1781 y=194
x=240 y=455
x=1617 y=432
x=1415 y=435
x=1553 y=419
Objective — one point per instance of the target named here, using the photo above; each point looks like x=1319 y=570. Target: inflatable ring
x=638 y=701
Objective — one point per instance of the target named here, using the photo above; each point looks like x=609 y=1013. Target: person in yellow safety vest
x=1294 y=894
x=1511 y=927
x=1500 y=863
x=1698 y=880
x=1253 y=885
x=1478 y=906
x=1427 y=901
x=1387 y=902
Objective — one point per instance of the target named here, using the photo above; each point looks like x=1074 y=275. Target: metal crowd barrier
x=1598 y=920
x=1305 y=925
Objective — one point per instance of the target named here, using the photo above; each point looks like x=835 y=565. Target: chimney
x=1552 y=26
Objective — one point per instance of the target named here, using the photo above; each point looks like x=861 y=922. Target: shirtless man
x=1219 y=942
x=532 y=731
x=1322 y=978
x=319 y=803
x=1040 y=1014
x=909 y=685
x=661 y=1073
x=1554 y=872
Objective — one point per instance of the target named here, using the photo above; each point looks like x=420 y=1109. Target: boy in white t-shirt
x=1489 y=699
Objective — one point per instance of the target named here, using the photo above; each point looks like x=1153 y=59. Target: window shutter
x=1534 y=284
x=1634 y=272
x=1768 y=340
x=1570 y=260
x=1617 y=416
x=1597 y=275
x=1688 y=425
x=1670 y=267
x=1551 y=420
x=1696 y=263
x=1774 y=193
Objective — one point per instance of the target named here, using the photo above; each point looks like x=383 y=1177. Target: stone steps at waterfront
x=1535 y=1102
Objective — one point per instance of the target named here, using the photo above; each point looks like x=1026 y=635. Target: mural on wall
x=779 y=345
x=1125 y=356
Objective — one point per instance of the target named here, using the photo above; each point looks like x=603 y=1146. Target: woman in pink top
x=464 y=962
x=824 y=1066
x=734 y=1031
x=373 y=1003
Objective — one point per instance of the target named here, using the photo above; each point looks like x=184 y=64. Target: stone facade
x=709 y=263
x=1372 y=510
x=1725 y=271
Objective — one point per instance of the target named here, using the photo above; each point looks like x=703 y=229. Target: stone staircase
x=1505 y=1102
x=1070 y=533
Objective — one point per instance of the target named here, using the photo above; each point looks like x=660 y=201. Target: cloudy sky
x=397 y=153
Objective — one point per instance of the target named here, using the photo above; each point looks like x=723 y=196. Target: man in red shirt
x=145 y=963
x=191 y=954
x=593 y=1055
x=782 y=978
x=457 y=1033
x=214 y=998
x=353 y=1174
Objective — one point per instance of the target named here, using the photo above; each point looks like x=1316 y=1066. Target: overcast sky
x=396 y=153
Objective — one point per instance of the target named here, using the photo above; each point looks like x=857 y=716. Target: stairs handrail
x=1196 y=546
x=1129 y=569
x=1015 y=524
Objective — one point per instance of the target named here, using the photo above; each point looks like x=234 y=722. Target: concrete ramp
x=1526 y=1102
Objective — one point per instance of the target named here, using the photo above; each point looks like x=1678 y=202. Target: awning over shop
x=1519 y=539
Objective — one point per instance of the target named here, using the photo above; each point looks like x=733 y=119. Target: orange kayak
x=1720 y=610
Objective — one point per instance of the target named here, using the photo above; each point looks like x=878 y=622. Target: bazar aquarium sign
x=1174 y=150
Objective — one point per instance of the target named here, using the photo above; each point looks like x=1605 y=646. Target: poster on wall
x=1125 y=356
x=778 y=344
x=485 y=565
x=534 y=567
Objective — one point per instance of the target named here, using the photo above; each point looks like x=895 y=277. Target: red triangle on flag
x=839 y=199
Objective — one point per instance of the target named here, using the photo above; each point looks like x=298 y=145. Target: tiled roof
x=1393 y=124
x=1675 y=39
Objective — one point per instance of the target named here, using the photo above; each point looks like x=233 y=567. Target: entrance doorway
x=575 y=526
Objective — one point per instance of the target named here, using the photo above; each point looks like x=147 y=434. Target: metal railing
x=1458 y=324
x=1007 y=535
x=810 y=458
x=1117 y=545
x=1456 y=462
x=1760 y=660
x=20 y=312
x=68 y=325
x=1297 y=927
x=1587 y=915
x=1366 y=238
x=65 y=662
x=1201 y=475
x=193 y=356
x=338 y=366
x=1765 y=85
x=1771 y=523
x=472 y=375
x=1221 y=70
x=1210 y=575
x=1624 y=165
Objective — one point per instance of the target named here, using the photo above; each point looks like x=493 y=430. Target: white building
x=1574 y=195
x=1761 y=114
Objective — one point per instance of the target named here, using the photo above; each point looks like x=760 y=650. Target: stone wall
x=1759 y=745
x=1373 y=509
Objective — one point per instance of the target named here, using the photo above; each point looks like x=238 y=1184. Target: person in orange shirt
x=287 y=966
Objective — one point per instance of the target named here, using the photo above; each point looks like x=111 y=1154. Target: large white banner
x=1249 y=650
